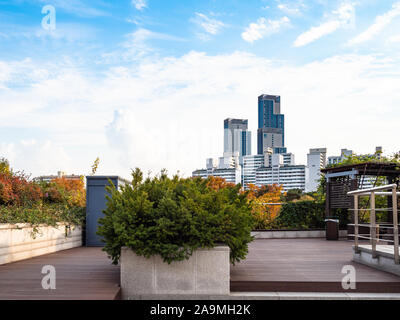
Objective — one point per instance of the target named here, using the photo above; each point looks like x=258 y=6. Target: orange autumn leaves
x=262 y=200
x=265 y=203
x=67 y=190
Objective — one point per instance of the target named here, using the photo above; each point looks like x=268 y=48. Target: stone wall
x=293 y=234
x=19 y=241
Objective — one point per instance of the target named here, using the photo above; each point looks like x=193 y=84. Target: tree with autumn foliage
x=218 y=183
x=23 y=200
x=262 y=200
x=62 y=190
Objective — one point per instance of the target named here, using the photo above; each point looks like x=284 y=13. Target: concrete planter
x=19 y=242
x=293 y=234
x=207 y=272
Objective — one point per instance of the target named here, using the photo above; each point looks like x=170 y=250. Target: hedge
x=302 y=215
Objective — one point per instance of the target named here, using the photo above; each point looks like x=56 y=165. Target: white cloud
x=294 y=9
x=168 y=112
x=209 y=26
x=380 y=23
x=139 y=4
x=340 y=18
x=263 y=27
x=137 y=46
x=44 y=157
x=394 y=39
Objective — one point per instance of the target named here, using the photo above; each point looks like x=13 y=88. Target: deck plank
x=81 y=274
x=305 y=265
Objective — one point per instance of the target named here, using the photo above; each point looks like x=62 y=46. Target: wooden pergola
x=342 y=179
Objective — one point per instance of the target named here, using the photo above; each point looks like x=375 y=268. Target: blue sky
x=148 y=82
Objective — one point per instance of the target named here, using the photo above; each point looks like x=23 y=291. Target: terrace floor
x=272 y=265
x=305 y=265
x=81 y=273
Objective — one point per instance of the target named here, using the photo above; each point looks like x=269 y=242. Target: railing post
x=373 y=225
x=395 y=226
x=356 y=223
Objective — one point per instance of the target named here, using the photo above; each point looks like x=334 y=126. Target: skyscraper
x=271 y=125
x=237 y=139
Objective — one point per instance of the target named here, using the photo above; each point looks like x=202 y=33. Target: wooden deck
x=81 y=274
x=273 y=265
x=305 y=265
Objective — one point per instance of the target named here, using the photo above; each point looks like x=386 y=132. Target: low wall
x=293 y=234
x=19 y=241
x=384 y=260
x=206 y=272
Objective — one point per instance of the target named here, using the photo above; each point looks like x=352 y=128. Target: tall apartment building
x=271 y=124
x=237 y=138
x=254 y=162
x=316 y=160
x=231 y=173
x=289 y=176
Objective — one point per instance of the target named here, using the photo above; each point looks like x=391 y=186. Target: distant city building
x=272 y=165
x=237 y=139
x=271 y=124
x=232 y=175
x=289 y=176
x=338 y=159
x=252 y=163
x=378 y=152
x=316 y=160
x=228 y=162
x=60 y=174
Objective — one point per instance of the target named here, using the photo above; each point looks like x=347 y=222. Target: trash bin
x=332 y=228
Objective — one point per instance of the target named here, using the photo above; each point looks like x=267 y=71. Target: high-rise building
x=271 y=124
x=316 y=160
x=237 y=139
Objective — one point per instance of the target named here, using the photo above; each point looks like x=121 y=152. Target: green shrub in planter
x=174 y=217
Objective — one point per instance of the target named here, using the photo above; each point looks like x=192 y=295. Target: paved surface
x=81 y=273
x=305 y=265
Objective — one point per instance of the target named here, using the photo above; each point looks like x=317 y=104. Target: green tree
x=172 y=217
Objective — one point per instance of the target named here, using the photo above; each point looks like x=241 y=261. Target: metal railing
x=374 y=235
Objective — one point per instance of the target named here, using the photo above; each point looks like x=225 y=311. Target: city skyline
x=147 y=84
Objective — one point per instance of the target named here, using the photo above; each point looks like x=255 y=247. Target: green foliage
x=48 y=214
x=301 y=215
x=377 y=157
x=174 y=217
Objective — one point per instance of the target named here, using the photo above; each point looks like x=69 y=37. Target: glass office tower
x=271 y=124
